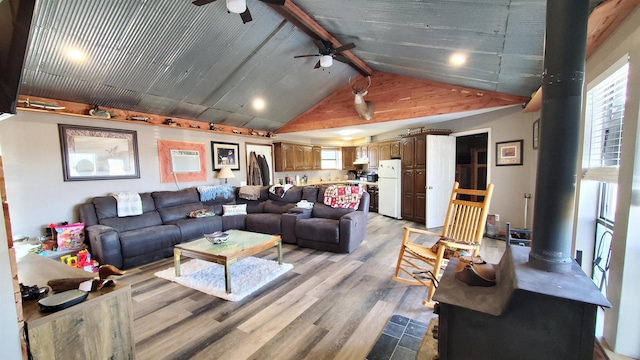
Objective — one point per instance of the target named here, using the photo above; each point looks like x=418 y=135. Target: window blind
x=605 y=113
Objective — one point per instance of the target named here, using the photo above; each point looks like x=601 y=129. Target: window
x=605 y=113
x=330 y=158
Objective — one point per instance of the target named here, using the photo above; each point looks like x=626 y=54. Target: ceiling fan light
x=326 y=60
x=237 y=6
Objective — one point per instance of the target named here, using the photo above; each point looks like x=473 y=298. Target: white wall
x=510 y=182
x=32 y=160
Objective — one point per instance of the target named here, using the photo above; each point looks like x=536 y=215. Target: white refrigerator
x=389 y=196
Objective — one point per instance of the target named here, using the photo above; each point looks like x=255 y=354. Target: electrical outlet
x=497 y=217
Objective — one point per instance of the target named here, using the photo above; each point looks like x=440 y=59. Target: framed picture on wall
x=509 y=153
x=91 y=153
x=225 y=154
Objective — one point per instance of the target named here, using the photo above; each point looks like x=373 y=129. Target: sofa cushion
x=172 y=213
x=293 y=195
x=106 y=206
x=194 y=228
x=165 y=199
x=253 y=206
x=321 y=210
x=141 y=241
x=129 y=223
x=277 y=207
x=310 y=193
x=264 y=223
x=319 y=229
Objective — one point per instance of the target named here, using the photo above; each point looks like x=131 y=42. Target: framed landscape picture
x=91 y=153
x=509 y=153
x=225 y=154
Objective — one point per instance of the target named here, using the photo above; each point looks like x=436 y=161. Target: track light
x=326 y=60
x=237 y=6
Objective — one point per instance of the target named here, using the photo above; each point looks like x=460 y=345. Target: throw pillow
x=234 y=210
x=450 y=252
x=200 y=213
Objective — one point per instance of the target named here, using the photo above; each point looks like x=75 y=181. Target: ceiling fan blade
x=319 y=44
x=345 y=47
x=342 y=58
x=317 y=65
x=246 y=16
x=301 y=56
x=202 y=2
x=274 y=2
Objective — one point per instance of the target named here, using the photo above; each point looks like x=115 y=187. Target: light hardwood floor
x=330 y=306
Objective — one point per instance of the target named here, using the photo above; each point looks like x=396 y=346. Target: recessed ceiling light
x=458 y=59
x=75 y=54
x=346 y=138
x=258 y=104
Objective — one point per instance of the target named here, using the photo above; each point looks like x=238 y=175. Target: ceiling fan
x=239 y=7
x=327 y=53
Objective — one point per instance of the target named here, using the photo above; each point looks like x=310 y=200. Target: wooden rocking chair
x=462 y=231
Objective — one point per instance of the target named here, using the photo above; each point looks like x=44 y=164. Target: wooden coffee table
x=241 y=244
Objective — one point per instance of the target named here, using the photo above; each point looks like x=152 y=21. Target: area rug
x=247 y=276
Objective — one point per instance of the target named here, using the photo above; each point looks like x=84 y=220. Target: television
x=15 y=24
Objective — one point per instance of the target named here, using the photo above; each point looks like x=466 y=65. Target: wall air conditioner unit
x=185 y=161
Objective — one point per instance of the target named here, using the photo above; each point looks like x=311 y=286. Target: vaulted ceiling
x=174 y=59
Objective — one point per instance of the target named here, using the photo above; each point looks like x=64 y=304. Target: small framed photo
x=536 y=134
x=91 y=153
x=509 y=153
x=225 y=155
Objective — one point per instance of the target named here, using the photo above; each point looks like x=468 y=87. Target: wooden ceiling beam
x=603 y=21
x=304 y=22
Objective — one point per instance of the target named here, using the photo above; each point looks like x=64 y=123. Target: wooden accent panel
x=396 y=98
x=603 y=21
x=82 y=110
x=166 y=168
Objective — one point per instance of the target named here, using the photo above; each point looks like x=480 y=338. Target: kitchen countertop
x=327 y=182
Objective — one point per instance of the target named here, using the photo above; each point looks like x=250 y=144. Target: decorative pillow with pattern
x=200 y=213
x=228 y=210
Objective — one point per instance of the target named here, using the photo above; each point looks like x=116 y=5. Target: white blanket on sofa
x=129 y=203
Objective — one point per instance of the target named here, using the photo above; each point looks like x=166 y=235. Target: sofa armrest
x=353 y=229
x=104 y=242
x=288 y=224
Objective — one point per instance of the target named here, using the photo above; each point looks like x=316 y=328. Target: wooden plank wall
x=396 y=97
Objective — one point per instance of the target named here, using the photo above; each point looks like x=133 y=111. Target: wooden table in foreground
x=98 y=328
x=241 y=244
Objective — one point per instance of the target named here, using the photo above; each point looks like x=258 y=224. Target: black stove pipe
x=560 y=117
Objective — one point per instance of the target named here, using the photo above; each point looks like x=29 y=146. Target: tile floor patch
x=399 y=340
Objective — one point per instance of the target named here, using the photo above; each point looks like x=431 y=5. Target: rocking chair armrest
x=426 y=232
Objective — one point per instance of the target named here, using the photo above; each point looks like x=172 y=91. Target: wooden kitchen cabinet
x=414 y=178
x=384 y=151
x=361 y=152
x=395 y=149
x=283 y=157
x=372 y=154
x=292 y=157
x=316 y=156
x=348 y=157
x=408 y=152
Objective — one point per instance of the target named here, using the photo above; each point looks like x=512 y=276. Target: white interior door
x=441 y=173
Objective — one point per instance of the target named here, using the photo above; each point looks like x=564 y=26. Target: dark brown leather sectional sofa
x=131 y=241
